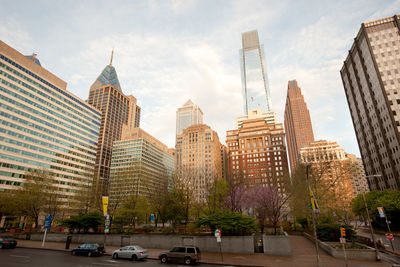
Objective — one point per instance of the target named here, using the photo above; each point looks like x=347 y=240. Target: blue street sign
x=47 y=222
x=152 y=217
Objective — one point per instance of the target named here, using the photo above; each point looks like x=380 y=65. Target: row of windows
x=33 y=140
x=41 y=114
x=81 y=103
x=43 y=129
x=43 y=165
x=47 y=103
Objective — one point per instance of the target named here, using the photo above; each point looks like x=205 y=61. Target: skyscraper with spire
x=117 y=110
x=253 y=68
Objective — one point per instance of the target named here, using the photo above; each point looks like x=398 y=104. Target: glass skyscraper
x=254 y=73
x=43 y=126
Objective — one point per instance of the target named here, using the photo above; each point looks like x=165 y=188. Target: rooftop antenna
x=112 y=55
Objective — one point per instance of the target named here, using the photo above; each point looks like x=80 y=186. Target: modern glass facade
x=43 y=126
x=140 y=165
x=254 y=73
x=189 y=114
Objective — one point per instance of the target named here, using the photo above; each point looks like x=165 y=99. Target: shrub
x=331 y=232
x=148 y=228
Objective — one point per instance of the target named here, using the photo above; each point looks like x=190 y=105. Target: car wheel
x=134 y=257
x=1 y=246
x=89 y=254
x=187 y=261
x=164 y=259
x=115 y=256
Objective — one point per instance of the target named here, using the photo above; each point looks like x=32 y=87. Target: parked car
x=88 y=249
x=187 y=254
x=133 y=252
x=7 y=242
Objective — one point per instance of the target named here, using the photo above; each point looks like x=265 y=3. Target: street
x=396 y=241
x=40 y=258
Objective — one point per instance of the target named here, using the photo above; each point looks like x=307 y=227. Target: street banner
x=105 y=205
x=314 y=203
x=381 y=212
x=47 y=222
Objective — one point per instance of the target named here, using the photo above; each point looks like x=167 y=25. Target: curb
x=150 y=258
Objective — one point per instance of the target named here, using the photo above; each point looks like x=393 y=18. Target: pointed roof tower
x=108 y=77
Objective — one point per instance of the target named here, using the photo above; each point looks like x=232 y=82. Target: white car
x=131 y=252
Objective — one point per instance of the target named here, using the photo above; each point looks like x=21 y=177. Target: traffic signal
x=342 y=232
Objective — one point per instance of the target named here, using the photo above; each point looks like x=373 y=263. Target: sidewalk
x=303 y=255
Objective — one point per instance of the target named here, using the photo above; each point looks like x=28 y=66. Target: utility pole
x=377 y=256
x=313 y=215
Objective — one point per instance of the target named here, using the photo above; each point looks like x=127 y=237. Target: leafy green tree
x=389 y=200
x=217 y=194
x=133 y=211
x=91 y=220
x=38 y=195
x=230 y=223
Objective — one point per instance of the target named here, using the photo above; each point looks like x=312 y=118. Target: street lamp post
x=377 y=256
x=313 y=218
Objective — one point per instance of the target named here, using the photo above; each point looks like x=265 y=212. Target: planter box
x=277 y=245
x=353 y=254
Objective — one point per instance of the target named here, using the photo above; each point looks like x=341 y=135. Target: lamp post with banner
x=390 y=235
x=47 y=225
x=315 y=209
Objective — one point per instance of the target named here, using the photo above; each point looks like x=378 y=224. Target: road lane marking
x=19 y=256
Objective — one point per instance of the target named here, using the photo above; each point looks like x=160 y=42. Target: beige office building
x=341 y=173
x=201 y=160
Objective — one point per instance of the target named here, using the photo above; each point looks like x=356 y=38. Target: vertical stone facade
x=371 y=80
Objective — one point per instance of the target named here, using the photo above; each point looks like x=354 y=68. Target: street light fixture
x=377 y=256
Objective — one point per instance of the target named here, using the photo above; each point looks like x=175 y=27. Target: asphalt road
x=42 y=258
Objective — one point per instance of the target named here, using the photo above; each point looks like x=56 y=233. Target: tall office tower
x=254 y=73
x=298 y=127
x=371 y=80
x=141 y=164
x=43 y=126
x=187 y=115
x=257 y=153
x=333 y=169
x=201 y=160
x=117 y=110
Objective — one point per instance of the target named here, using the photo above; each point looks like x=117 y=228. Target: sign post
x=343 y=242
x=107 y=221
x=217 y=235
x=47 y=225
x=382 y=215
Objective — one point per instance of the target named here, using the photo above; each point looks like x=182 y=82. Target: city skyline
x=204 y=61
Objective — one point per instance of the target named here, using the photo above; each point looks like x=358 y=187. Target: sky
x=166 y=52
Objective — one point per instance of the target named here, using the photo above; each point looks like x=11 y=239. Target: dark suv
x=187 y=254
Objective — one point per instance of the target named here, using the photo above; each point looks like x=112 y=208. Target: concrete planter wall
x=354 y=254
x=229 y=244
x=277 y=245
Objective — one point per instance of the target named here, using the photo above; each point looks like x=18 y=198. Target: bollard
x=69 y=239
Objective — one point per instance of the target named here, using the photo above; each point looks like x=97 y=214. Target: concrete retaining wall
x=229 y=244
x=355 y=254
x=277 y=245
